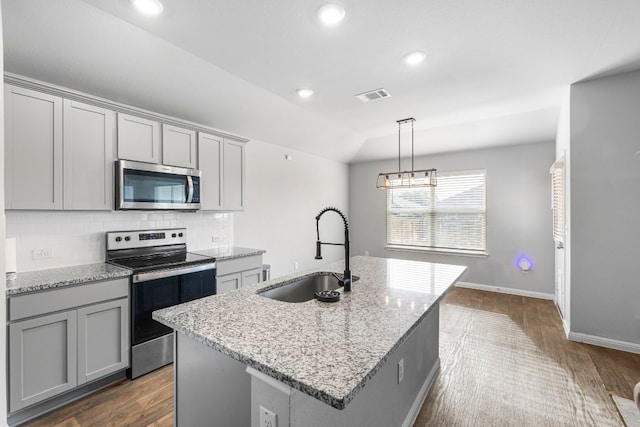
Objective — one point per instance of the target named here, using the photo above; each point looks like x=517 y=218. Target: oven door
x=148 y=186
x=160 y=289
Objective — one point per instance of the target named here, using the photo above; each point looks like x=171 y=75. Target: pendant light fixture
x=407 y=179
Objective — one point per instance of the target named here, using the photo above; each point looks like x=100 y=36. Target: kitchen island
x=368 y=359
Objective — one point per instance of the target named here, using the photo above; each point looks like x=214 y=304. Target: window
x=451 y=217
x=557 y=200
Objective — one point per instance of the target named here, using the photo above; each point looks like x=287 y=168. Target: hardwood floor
x=521 y=351
x=145 y=402
x=505 y=361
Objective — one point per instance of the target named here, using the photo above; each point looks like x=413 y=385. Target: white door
x=560 y=279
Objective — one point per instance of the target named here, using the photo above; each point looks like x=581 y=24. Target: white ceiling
x=496 y=71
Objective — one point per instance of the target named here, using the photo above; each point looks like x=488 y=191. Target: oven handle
x=153 y=275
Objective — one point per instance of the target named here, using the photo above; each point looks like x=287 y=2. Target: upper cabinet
x=89 y=145
x=222 y=164
x=210 y=156
x=178 y=147
x=58 y=153
x=33 y=149
x=138 y=139
x=233 y=175
x=141 y=139
x=60 y=148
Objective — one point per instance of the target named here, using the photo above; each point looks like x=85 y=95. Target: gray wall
x=518 y=214
x=605 y=201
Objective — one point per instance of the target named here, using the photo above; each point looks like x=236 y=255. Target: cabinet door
x=210 y=164
x=251 y=277
x=42 y=358
x=33 y=149
x=228 y=283
x=138 y=139
x=103 y=339
x=88 y=156
x=178 y=147
x=233 y=176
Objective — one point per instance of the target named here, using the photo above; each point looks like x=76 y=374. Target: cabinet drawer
x=49 y=301
x=238 y=264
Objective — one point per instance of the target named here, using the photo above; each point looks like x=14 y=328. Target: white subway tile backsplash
x=79 y=237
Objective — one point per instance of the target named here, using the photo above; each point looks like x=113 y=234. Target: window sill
x=437 y=251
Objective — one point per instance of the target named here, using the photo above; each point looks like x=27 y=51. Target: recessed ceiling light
x=148 y=7
x=331 y=14
x=414 y=58
x=304 y=93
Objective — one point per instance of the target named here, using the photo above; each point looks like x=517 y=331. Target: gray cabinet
x=138 y=139
x=33 y=149
x=101 y=329
x=251 y=277
x=89 y=134
x=210 y=164
x=62 y=338
x=59 y=153
x=42 y=358
x=228 y=282
x=238 y=272
x=233 y=175
x=178 y=147
x=222 y=162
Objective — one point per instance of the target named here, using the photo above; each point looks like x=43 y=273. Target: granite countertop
x=296 y=343
x=40 y=280
x=231 y=252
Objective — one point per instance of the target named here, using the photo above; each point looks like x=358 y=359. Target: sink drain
x=328 y=296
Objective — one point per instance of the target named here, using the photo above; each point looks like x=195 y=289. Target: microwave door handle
x=189 y=188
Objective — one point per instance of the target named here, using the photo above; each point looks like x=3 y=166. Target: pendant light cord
x=399 y=126
x=412 y=168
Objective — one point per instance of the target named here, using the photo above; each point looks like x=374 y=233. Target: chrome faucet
x=346 y=279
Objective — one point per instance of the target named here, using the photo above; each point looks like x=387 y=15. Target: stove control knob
x=127 y=238
x=118 y=239
x=179 y=234
x=173 y=235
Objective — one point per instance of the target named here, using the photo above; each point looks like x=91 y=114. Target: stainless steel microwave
x=147 y=186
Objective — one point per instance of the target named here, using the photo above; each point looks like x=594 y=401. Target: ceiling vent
x=373 y=95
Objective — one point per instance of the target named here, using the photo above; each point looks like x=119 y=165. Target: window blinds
x=557 y=200
x=451 y=216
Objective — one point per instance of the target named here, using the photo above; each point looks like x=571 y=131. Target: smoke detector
x=373 y=95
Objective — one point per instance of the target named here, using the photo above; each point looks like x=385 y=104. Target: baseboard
x=422 y=395
x=503 y=290
x=604 y=342
x=567 y=327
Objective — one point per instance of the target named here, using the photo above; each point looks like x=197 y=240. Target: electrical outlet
x=366 y=253
x=267 y=418
x=42 y=253
x=215 y=239
x=296 y=265
x=400 y=370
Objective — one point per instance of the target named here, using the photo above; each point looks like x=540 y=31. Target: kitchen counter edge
x=229 y=253
x=41 y=280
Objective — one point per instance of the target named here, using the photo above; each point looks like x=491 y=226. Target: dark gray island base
x=368 y=359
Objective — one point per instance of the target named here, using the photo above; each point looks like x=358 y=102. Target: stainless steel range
x=164 y=274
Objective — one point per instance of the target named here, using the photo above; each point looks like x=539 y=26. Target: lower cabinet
x=42 y=358
x=228 y=282
x=236 y=273
x=61 y=339
x=101 y=329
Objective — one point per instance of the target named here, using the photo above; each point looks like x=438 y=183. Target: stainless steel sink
x=304 y=288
